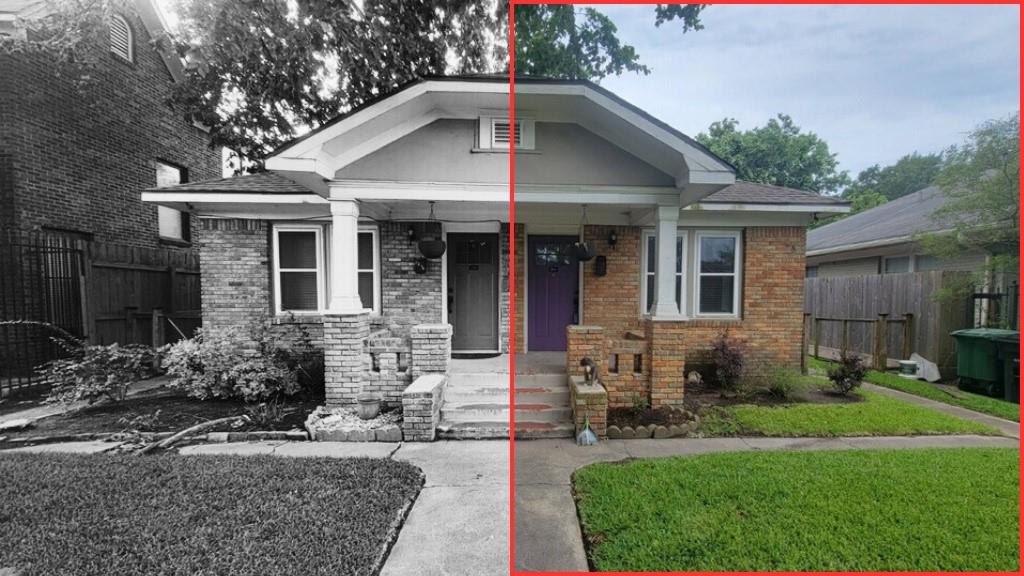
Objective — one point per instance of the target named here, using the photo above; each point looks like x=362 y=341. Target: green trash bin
x=979 y=365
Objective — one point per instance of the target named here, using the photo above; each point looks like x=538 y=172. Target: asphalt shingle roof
x=743 y=192
x=261 y=183
x=899 y=218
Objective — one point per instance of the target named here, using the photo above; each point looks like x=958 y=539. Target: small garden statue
x=589 y=370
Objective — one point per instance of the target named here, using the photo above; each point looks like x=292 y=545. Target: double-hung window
x=718 y=273
x=301 y=265
x=650 y=262
x=299 y=268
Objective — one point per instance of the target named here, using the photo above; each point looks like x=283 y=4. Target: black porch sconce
x=613 y=239
x=410 y=233
x=419 y=265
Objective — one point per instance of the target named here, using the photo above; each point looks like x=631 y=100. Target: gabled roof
x=151 y=16
x=891 y=223
x=751 y=193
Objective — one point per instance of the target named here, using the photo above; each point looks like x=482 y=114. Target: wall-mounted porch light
x=613 y=239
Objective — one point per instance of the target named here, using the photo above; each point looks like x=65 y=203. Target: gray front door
x=473 y=291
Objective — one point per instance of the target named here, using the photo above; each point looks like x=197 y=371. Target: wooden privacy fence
x=881 y=338
x=102 y=293
x=861 y=299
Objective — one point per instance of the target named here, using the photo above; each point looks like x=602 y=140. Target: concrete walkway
x=1005 y=427
x=547 y=532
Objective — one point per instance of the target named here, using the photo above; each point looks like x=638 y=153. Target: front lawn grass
x=900 y=510
x=876 y=415
x=976 y=402
x=176 y=515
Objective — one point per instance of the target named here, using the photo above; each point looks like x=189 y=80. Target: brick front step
x=529 y=430
x=473 y=430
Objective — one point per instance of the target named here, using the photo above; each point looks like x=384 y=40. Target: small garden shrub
x=266 y=414
x=90 y=373
x=213 y=365
x=727 y=357
x=785 y=383
x=848 y=374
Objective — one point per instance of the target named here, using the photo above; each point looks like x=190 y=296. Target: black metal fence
x=995 y=309
x=41 y=280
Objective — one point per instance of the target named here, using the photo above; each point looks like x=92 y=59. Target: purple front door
x=553 y=291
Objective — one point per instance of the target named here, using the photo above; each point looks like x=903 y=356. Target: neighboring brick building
x=75 y=159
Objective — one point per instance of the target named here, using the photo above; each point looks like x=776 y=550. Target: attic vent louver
x=121 y=38
x=500 y=129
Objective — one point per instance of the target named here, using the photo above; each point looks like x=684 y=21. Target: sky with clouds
x=876 y=82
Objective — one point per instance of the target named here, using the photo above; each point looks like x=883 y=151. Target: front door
x=553 y=291
x=473 y=291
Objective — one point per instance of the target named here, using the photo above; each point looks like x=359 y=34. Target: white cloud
x=876 y=82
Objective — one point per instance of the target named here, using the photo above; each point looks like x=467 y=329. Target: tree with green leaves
x=261 y=72
x=778 y=153
x=563 y=41
x=981 y=183
x=909 y=174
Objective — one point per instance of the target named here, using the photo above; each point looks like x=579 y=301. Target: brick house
x=332 y=236
x=73 y=160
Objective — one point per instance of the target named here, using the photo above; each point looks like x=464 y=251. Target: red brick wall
x=78 y=161
x=770 y=326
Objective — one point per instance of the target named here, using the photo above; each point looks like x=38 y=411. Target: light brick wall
x=345 y=357
x=408 y=298
x=78 y=161
x=589 y=402
x=613 y=300
x=431 y=349
x=234 y=258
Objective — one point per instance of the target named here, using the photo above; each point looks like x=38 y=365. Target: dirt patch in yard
x=164 y=410
x=701 y=397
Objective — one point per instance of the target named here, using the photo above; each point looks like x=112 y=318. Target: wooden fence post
x=816 y=323
x=908 y=335
x=129 y=324
x=157 y=328
x=881 y=343
x=803 y=345
x=846 y=338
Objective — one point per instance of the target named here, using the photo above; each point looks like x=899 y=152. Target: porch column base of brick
x=584 y=342
x=431 y=349
x=345 y=356
x=668 y=362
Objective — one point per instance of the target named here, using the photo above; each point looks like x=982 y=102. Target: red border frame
x=512 y=279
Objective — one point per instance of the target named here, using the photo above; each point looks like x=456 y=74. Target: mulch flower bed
x=701 y=397
x=163 y=411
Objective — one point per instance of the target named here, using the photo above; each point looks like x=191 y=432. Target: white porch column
x=344 y=244
x=665 y=264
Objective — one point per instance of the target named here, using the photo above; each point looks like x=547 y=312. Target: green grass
x=177 y=515
x=909 y=510
x=976 y=402
x=876 y=415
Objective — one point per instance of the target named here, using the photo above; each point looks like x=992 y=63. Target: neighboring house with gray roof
x=882 y=240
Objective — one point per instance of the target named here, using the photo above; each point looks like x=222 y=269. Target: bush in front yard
x=213 y=365
x=727 y=356
x=94 y=372
x=848 y=374
x=785 y=383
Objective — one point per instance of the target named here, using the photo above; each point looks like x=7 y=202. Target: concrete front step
x=484 y=430
x=475 y=412
x=542 y=413
x=481 y=379
x=541 y=381
x=530 y=430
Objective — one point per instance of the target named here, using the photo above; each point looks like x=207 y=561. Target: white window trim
x=376 y=270
x=321 y=291
x=737 y=273
x=131 y=39
x=681 y=235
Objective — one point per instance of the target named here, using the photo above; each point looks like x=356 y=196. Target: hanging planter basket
x=583 y=252
x=432 y=249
